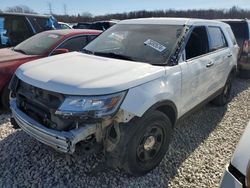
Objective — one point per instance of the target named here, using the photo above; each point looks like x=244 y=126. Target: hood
x=241 y=156
x=81 y=74
x=7 y=54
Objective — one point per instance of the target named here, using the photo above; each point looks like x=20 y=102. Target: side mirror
x=60 y=51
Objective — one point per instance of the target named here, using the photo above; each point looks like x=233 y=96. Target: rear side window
x=248 y=29
x=82 y=26
x=64 y=26
x=91 y=37
x=43 y=24
x=75 y=44
x=100 y=26
x=4 y=40
x=216 y=38
x=240 y=30
x=232 y=37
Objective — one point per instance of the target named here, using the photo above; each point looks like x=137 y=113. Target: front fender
x=141 y=98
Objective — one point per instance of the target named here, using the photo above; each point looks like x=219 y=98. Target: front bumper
x=229 y=181
x=63 y=141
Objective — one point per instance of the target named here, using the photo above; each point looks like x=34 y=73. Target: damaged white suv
x=127 y=89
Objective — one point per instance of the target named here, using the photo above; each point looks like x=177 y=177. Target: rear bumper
x=63 y=141
x=229 y=181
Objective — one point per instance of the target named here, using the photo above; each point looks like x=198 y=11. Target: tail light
x=246 y=47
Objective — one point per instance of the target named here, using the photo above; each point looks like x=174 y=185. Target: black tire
x=5 y=99
x=143 y=143
x=224 y=97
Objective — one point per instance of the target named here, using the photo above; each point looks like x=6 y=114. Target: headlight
x=91 y=106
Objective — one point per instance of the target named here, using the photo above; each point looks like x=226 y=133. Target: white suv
x=127 y=90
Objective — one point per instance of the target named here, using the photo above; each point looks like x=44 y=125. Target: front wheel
x=144 y=143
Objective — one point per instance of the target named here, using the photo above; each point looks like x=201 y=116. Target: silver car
x=237 y=174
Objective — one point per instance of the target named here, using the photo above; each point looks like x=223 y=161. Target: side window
x=217 y=39
x=64 y=26
x=35 y=24
x=43 y=24
x=248 y=23
x=91 y=37
x=14 y=30
x=197 y=44
x=75 y=44
x=232 y=37
x=4 y=40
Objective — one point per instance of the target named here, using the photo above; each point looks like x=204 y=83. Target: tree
x=87 y=15
x=234 y=12
x=20 y=9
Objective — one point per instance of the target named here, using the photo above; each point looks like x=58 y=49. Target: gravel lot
x=202 y=146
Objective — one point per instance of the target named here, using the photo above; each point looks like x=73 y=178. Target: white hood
x=81 y=74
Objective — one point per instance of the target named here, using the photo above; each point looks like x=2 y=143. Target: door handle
x=229 y=55
x=210 y=64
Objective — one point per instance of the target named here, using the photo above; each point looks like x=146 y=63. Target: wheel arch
x=168 y=108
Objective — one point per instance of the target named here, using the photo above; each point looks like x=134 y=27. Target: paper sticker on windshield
x=53 y=36
x=153 y=44
x=118 y=36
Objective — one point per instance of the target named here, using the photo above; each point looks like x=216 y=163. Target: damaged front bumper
x=64 y=141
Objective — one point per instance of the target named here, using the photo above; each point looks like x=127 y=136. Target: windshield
x=38 y=44
x=136 y=42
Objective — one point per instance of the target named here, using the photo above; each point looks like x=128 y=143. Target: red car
x=39 y=46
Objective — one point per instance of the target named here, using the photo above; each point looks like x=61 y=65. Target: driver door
x=195 y=69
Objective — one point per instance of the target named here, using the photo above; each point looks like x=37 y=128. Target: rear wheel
x=224 y=97
x=5 y=99
x=144 y=143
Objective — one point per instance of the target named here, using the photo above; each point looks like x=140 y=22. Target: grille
x=37 y=103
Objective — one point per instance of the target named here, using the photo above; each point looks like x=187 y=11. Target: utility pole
x=65 y=9
x=50 y=8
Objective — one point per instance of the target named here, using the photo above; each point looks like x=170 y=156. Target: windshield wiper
x=87 y=51
x=158 y=64
x=113 y=55
x=21 y=51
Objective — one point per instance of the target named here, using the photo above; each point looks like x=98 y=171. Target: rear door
x=221 y=56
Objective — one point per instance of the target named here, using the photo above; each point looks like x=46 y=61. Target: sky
x=100 y=7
